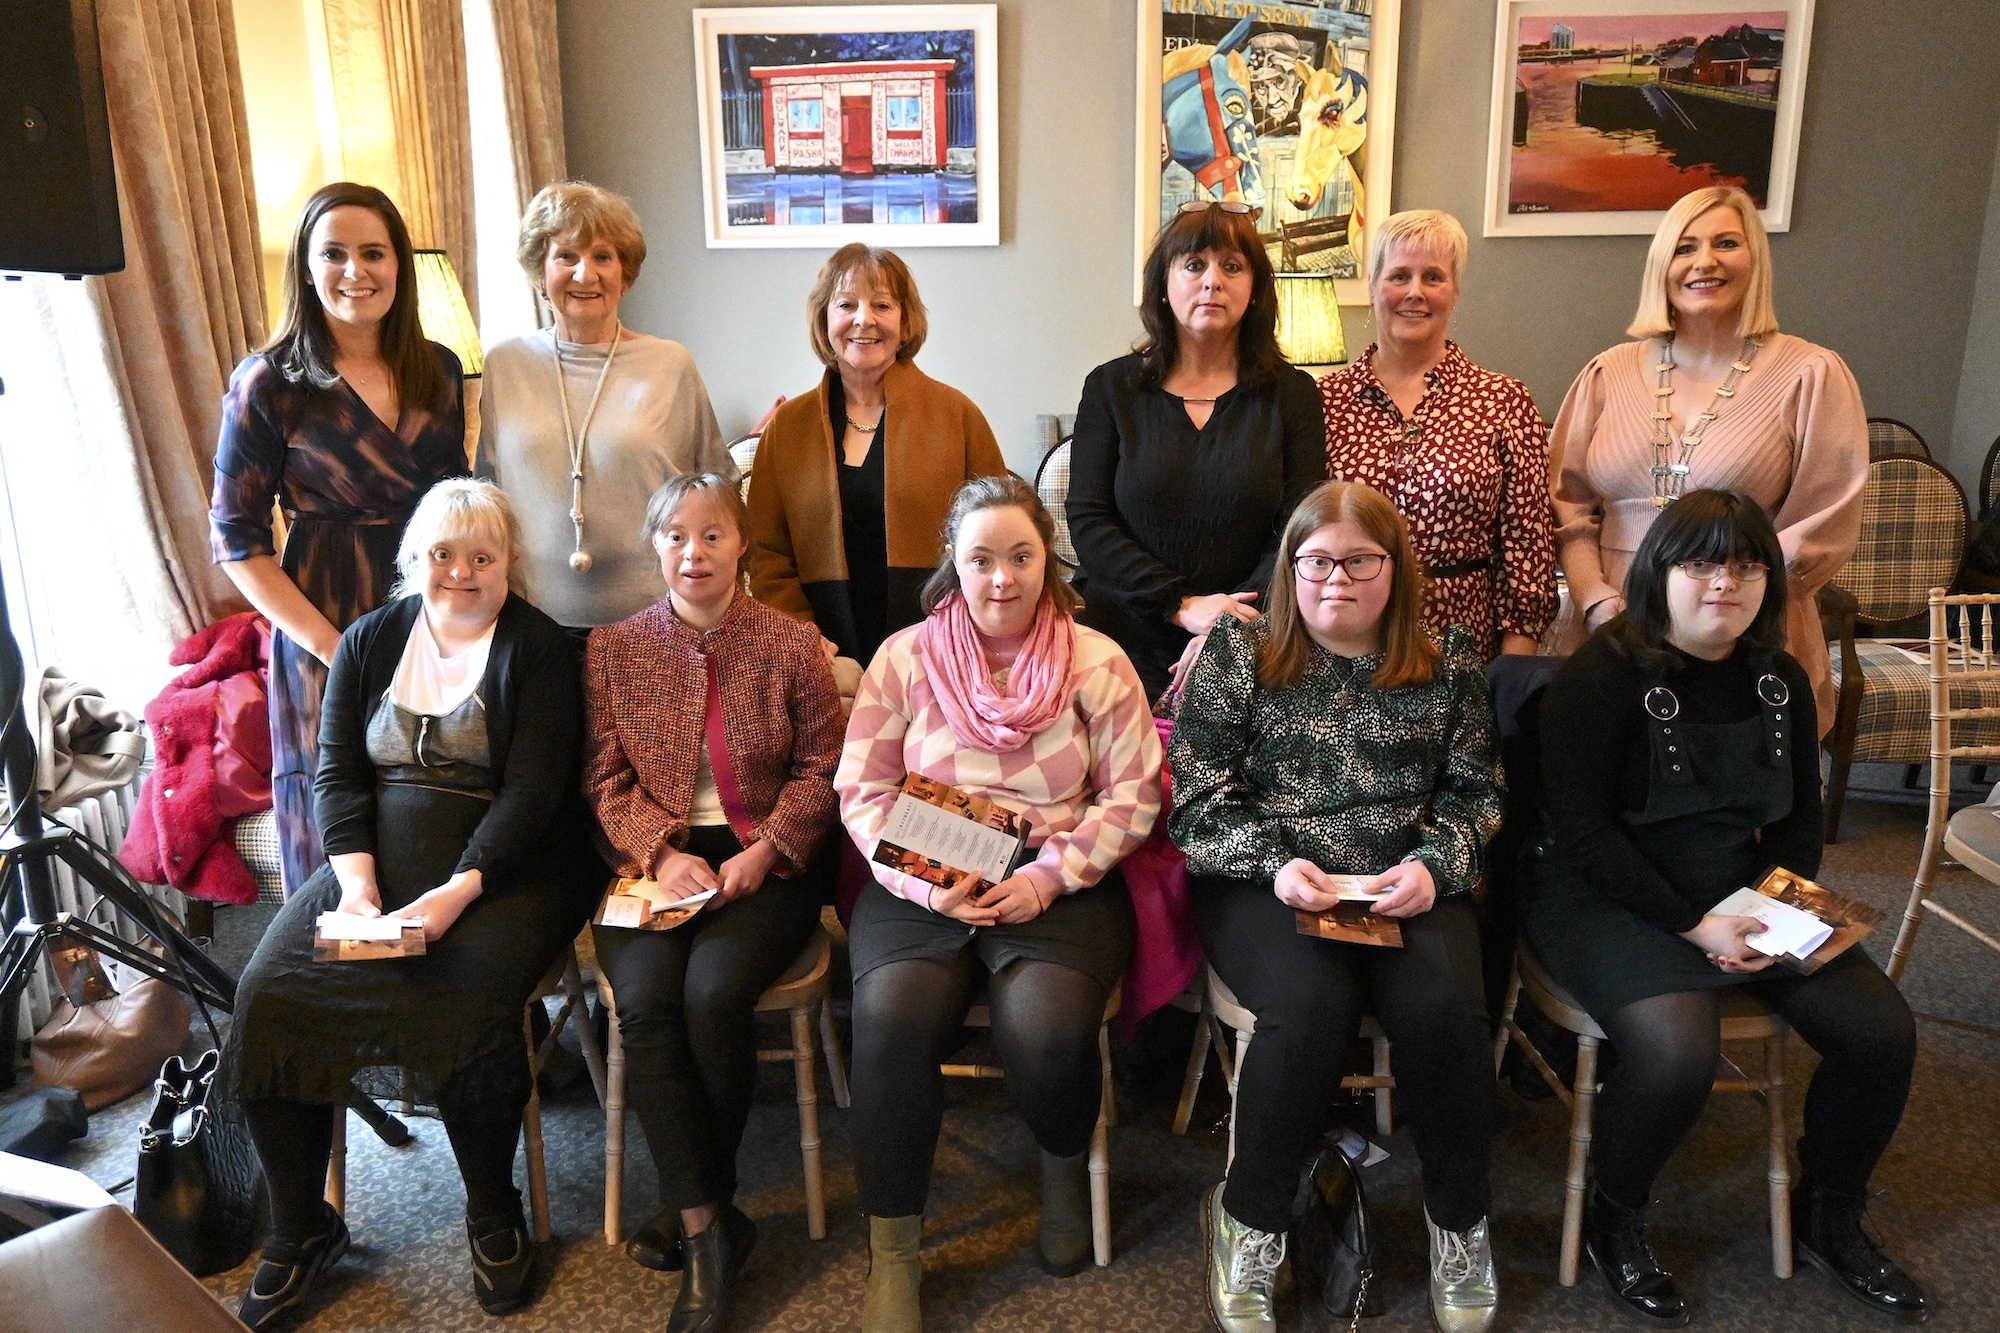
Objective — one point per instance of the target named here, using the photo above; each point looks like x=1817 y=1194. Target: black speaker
x=58 y=197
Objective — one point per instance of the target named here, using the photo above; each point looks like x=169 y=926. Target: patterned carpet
x=1938 y=1210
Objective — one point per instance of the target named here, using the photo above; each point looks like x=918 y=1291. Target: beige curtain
x=396 y=73
x=531 y=75
x=150 y=349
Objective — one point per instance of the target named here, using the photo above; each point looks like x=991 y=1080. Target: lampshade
x=442 y=308
x=1309 y=321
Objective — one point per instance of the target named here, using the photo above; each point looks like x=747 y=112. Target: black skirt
x=1090 y=931
x=1607 y=957
x=303 y=1029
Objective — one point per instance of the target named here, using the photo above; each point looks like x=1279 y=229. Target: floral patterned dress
x=1469 y=472
x=347 y=484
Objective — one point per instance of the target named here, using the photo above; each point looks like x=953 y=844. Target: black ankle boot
x=1615 y=1239
x=710 y=1262
x=1827 y=1230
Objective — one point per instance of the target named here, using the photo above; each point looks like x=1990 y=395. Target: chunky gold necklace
x=1670 y=473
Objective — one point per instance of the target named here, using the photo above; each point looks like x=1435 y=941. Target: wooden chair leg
x=1100 y=1159
x=1234 y=1070
x=1582 y=1104
x=1197 y=1064
x=836 y=1067
x=802 y=1065
x=531 y=1132
x=1384 y=1111
x=586 y=1031
x=336 y=1164
x=1507 y=1009
x=614 y=1134
x=1920 y=892
x=1779 y=1173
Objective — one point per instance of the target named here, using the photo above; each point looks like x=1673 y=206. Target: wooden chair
x=802 y=989
x=1052 y=485
x=1100 y=1139
x=1222 y=1016
x=1887 y=436
x=1964 y=688
x=1743 y=1019
x=1913 y=529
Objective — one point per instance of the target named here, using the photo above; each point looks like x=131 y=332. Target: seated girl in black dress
x=1678 y=764
x=447 y=793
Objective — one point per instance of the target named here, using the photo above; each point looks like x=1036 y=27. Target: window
x=806 y=114
x=906 y=113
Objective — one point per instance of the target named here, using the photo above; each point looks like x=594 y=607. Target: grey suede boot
x=895 y=1276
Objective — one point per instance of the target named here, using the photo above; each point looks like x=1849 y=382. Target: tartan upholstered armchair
x=1913 y=531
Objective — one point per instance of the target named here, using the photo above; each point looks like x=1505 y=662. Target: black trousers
x=686 y=1015
x=1666 y=1051
x=294 y=1142
x=907 y=1017
x=1309 y=996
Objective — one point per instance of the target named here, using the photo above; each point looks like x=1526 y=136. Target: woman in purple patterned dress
x=344 y=419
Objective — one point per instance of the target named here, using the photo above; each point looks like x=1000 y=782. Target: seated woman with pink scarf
x=999 y=693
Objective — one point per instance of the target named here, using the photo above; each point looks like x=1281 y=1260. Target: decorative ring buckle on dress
x=1773 y=690
x=1662 y=704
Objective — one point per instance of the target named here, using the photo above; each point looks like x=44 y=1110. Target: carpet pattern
x=1938 y=1209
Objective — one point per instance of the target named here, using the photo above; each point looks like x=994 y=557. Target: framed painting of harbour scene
x=1606 y=111
x=825 y=125
x=1287 y=107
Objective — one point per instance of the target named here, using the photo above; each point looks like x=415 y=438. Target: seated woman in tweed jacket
x=714 y=728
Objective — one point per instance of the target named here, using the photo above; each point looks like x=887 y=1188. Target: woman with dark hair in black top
x=1191 y=452
x=1678 y=764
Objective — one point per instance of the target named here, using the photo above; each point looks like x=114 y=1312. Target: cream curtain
x=531 y=76
x=125 y=373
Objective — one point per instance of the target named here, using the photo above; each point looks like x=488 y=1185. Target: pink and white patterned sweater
x=1089 y=782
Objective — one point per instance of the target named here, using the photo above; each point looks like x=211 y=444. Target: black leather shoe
x=710 y=1263
x=288 y=1273
x=503 y=1260
x=1615 y=1239
x=657 y=1245
x=1827 y=1230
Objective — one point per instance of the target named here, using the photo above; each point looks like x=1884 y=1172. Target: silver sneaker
x=1465 y=1294
x=1242 y=1270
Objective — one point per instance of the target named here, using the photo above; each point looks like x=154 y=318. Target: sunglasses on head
x=1203 y=205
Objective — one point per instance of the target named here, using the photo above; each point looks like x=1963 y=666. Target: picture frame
x=826 y=125
x=1606 y=111
x=1350 y=45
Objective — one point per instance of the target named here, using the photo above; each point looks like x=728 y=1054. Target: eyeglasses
x=1319 y=568
x=1743 y=571
x=1226 y=205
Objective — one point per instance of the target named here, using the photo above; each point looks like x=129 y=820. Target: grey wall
x=1896 y=177
x=1979 y=376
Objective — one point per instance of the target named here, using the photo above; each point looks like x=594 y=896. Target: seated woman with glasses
x=1190 y=452
x=1334 y=738
x=1678 y=763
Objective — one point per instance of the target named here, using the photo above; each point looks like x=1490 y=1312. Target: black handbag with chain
x=1330 y=1242
x=200 y=1190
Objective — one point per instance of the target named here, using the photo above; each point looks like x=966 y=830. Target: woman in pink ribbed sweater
x=1710 y=396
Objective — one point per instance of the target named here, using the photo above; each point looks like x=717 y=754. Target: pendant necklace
x=1670 y=473
x=579 y=559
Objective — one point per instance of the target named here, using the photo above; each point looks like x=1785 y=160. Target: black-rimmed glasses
x=1706 y=571
x=1319 y=568
x=1226 y=205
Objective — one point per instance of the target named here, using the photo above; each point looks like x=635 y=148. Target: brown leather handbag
x=104 y=1043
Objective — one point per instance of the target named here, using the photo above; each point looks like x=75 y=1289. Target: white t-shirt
x=427 y=681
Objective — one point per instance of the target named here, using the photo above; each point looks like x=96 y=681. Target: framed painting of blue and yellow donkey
x=1286 y=107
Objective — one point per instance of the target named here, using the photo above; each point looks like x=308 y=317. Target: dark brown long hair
x=1408 y=655
x=1001 y=492
x=1701 y=525
x=1258 y=358
x=302 y=347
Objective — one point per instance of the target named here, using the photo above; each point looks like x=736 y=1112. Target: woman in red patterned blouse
x=1462 y=451
x=714 y=730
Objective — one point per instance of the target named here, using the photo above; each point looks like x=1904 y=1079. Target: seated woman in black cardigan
x=1191 y=452
x=447 y=794
x=1678 y=763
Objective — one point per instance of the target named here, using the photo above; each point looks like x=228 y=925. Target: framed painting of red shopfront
x=825 y=125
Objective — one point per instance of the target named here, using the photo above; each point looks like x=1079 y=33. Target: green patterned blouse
x=1351 y=778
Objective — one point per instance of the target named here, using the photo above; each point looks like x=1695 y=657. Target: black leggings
x=1309 y=996
x=295 y=1142
x=1667 y=1047
x=687 y=1000
x=907 y=1016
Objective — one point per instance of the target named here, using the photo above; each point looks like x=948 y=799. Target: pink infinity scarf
x=979 y=716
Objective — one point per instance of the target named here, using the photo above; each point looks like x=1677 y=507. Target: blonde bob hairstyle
x=1758 y=317
x=1409 y=657
x=453 y=509
x=587 y=213
x=1424 y=230
x=860 y=265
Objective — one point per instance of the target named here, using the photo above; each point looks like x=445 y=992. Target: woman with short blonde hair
x=583 y=421
x=1710 y=395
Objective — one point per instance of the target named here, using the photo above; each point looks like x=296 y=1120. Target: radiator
x=103 y=819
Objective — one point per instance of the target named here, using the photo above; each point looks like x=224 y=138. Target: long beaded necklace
x=579 y=559
x=1670 y=474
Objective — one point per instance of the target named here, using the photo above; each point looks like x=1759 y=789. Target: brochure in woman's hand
x=1806 y=925
x=937 y=832
x=641 y=904
x=1352 y=918
x=347 y=937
